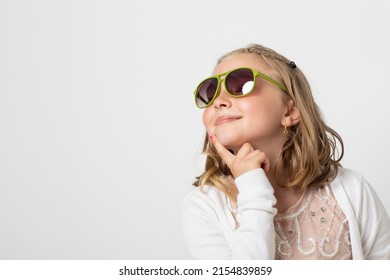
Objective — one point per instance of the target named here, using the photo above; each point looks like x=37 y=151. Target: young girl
x=273 y=187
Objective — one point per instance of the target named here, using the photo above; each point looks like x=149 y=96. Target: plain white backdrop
x=99 y=135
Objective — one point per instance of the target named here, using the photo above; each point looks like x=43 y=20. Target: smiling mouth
x=227 y=119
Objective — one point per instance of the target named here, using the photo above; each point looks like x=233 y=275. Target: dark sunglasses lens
x=240 y=82
x=206 y=91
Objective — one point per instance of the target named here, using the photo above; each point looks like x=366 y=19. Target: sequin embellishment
x=315 y=228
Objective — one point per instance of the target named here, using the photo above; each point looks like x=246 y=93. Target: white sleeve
x=204 y=229
x=255 y=237
x=374 y=225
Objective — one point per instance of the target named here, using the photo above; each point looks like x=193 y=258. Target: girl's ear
x=292 y=115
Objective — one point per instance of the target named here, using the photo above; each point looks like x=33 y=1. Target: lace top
x=314 y=228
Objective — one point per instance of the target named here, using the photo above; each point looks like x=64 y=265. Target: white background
x=99 y=136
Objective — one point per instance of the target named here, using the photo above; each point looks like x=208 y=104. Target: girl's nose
x=223 y=100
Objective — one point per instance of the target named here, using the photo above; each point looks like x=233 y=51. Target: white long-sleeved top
x=210 y=229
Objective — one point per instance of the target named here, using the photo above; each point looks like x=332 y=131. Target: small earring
x=285 y=132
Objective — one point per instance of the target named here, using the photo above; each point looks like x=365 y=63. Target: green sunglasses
x=238 y=83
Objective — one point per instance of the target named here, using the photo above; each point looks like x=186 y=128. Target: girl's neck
x=285 y=197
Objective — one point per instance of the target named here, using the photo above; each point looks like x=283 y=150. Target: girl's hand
x=247 y=158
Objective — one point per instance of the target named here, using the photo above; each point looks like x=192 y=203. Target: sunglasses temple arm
x=282 y=87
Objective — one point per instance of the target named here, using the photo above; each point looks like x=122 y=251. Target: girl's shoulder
x=206 y=203
x=352 y=184
x=205 y=194
x=349 y=176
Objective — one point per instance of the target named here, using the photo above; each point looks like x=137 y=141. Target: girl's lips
x=226 y=119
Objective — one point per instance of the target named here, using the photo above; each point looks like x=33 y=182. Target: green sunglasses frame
x=220 y=80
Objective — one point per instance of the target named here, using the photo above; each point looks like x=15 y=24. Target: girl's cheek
x=207 y=119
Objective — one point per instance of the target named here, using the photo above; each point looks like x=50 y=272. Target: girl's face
x=256 y=118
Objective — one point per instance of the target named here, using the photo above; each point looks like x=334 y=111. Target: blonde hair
x=309 y=156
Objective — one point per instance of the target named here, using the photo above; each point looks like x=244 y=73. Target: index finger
x=224 y=153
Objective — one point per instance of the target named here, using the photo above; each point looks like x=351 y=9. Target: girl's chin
x=231 y=143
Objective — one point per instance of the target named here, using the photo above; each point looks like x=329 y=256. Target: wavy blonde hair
x=309 y=156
